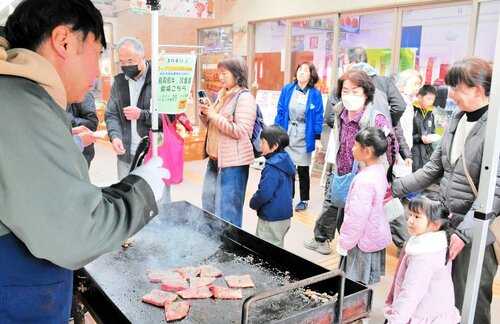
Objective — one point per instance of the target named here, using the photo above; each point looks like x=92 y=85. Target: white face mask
x=353 y=103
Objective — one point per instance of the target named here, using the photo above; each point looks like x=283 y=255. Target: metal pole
x=154 y=74
x=487 y=185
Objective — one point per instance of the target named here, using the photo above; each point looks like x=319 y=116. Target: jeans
x=224 y=191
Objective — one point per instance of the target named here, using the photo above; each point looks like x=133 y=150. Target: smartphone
x=201 y=94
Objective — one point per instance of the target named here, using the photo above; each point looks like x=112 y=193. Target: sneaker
x=302 y=205
x=320 y=247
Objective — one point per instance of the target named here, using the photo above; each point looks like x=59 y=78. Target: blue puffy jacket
x=273 y=198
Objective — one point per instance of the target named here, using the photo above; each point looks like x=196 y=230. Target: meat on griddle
x=209 y=271
x=244 y=281
x=159 y=275
x=188 y=272
x=159 y=297
x=196 y=282
x=195 y=293
x=174 y=284
x=176 y=310
x=226 y=293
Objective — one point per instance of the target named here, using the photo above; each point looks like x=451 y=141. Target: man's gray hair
x=401 y=79
x=356 y=55
x=132 y=41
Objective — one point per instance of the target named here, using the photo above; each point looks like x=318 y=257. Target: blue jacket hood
x=282 y=161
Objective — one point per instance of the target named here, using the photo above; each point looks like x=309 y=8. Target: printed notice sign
x=175 y=79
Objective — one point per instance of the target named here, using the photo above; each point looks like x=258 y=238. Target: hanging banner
x=178 y=8
x=175 y=79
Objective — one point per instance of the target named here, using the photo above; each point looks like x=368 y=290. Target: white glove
x=153 y=173
x=341 y=251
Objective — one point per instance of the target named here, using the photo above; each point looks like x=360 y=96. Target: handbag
x=341 y=184
x=495 y=224
x=171 y=150
x=393 y=209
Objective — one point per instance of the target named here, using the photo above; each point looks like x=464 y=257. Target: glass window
x=217 y=42
x=269 y=66
x=312 y=40
x=487 y=27
x=269 y=57
x=433 y=38
x=374 y=32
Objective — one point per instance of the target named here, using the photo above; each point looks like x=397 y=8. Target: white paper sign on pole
x=175 y=79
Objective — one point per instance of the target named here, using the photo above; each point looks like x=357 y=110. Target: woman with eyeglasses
x=456 y=164
x=353 y=113
x=300 y=113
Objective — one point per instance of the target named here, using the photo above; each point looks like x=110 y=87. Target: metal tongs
x=141 y=151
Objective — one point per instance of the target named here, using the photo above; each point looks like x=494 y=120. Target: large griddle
x=185 y=235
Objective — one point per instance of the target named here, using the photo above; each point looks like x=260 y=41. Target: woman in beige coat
x=229 y=121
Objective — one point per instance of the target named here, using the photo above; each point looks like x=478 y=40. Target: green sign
x=175 y=78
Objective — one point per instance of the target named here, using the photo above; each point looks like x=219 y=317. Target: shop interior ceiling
x=108 y=8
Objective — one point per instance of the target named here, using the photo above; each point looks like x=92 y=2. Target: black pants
x=328 y=221
x=330 y=218
x=459 y=271
x=399 y=231
x=304 y=182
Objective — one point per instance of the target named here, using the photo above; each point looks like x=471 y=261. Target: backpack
x=258 y=126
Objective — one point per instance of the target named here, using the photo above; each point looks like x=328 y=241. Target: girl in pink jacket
x=422 y=290
x=365 y=231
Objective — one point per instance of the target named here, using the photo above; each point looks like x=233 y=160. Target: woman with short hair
x=461 y=152
x=229 y=121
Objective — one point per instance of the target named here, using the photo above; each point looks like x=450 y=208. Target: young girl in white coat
x=422 y=290
x=365 y=232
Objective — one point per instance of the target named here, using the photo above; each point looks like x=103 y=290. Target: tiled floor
x=103 y=173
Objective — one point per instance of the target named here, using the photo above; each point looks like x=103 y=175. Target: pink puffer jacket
x=234 y=146
x=365 y=224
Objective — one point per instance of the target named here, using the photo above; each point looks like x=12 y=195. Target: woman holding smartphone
x=229 y=121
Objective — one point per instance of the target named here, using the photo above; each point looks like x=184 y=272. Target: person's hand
x=408 y=162
x=153 y=173
x=118 y=146
x=208 y=110
x=388 y=194
x=79 y=129
x=319 y=146
x=87 y=137
x=132 y=113
x=456 y=245
x=340 y=250
x=425 y=140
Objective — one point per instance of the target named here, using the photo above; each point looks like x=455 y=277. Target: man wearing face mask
x=127 y=116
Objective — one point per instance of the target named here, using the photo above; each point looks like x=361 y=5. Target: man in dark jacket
x=127 y=116
x=84 y=114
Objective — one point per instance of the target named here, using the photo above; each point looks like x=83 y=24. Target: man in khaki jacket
x=52 y=219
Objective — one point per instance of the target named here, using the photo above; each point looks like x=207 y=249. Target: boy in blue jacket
x=273 y=199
